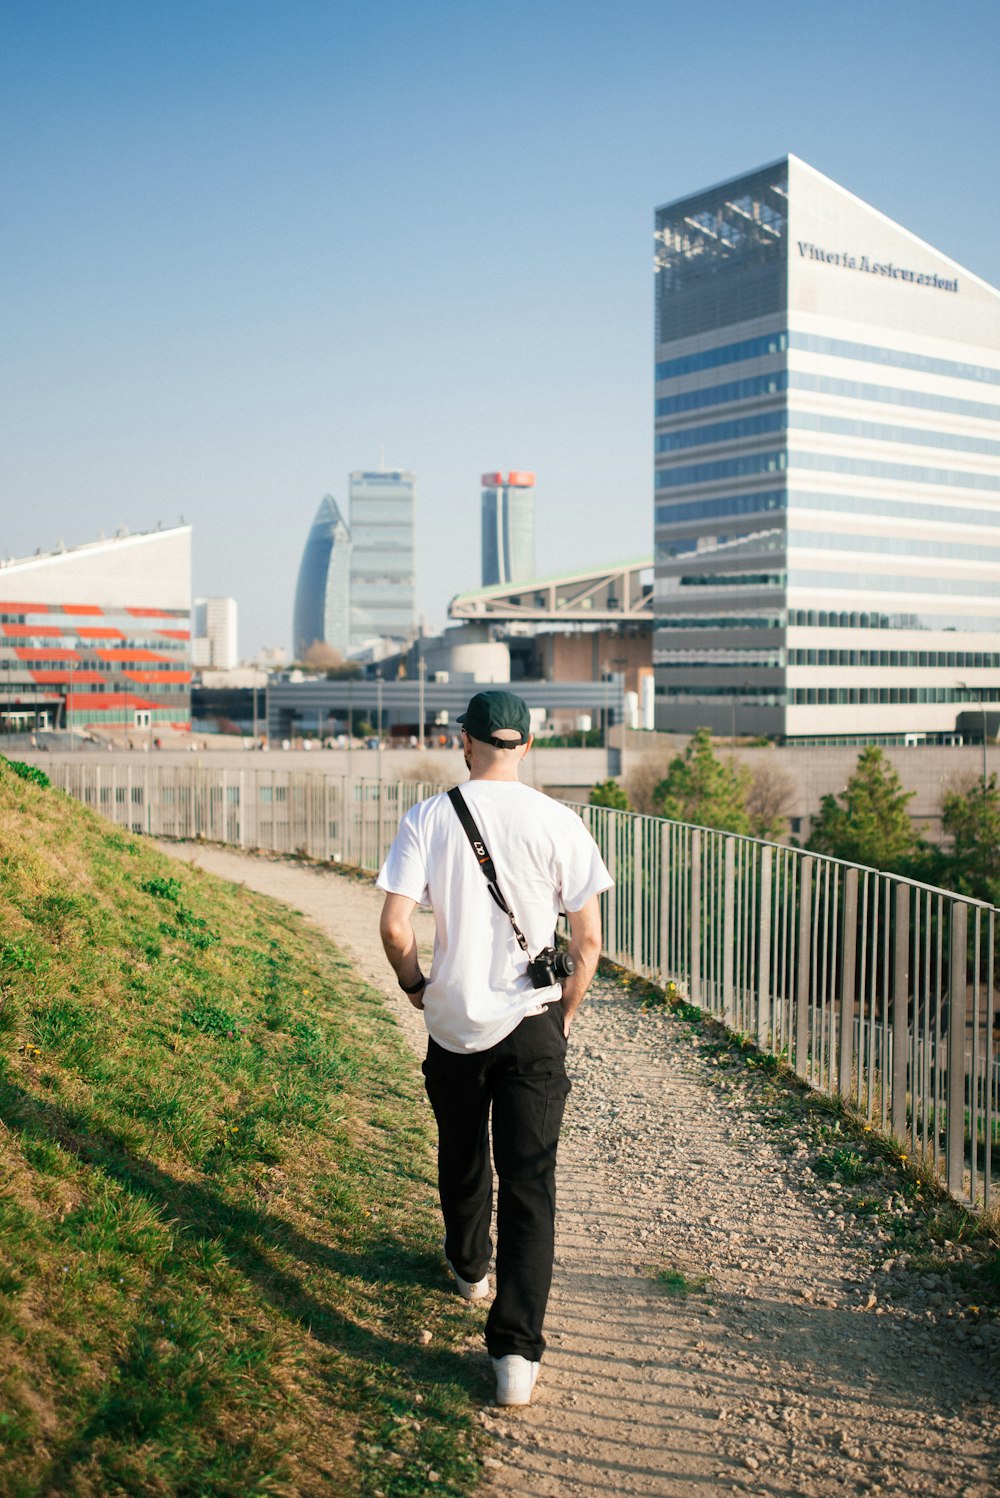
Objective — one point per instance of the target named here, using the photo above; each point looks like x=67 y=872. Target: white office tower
x=383 y=580
x=213 y=645
x=827 y=484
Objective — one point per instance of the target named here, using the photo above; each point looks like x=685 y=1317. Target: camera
x=550 y=967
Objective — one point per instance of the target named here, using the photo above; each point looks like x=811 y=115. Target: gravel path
x=796 y=1369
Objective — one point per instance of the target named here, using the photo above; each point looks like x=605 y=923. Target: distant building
x=590 y=624
x=271 y=657
x=323 y=592
x=97 y=637
x=827 y=511
x=213 y=646
x=382 y=574
x=508 y=528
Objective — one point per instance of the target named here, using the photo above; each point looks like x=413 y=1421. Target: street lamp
x=607 y=714
x=620 y=662
x=975 y=692
x=378 y=692
x=350 y=724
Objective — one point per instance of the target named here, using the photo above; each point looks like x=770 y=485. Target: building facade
x=214 y=626
x=508 y=528
x=97 y=637
x=383 y=571
x=827 y=509
x=322 y=614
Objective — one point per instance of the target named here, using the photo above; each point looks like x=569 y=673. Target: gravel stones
x=797 y=1370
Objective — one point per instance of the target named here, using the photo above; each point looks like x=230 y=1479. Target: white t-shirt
x=478 y=989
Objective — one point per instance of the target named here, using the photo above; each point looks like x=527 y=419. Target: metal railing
x=873 y=987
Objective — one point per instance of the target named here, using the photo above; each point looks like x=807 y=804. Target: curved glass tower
x=323 y=591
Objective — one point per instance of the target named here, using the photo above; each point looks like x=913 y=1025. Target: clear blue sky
x=250 y=246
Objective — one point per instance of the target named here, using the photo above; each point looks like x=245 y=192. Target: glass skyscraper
x=323 y=592
x=827 y=509
x=508 y=528
x=383 y=582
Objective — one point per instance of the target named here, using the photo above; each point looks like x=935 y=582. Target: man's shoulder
x=423 y=814
x=421 y=808
x=538 y=809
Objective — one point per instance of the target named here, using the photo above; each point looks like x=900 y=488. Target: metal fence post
x=638 y=882
x=900 y=1016
x=695 y=931
x=764 y=951
x=848 y=967
x=666 y=878
x=804 y=969
x=955 y=1148
x=728 y=931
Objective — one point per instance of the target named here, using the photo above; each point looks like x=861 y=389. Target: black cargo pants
x=523 y=1079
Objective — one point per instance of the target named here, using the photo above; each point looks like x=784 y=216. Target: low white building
x=97 y=637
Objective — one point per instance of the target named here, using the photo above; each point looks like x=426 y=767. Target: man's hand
x=585 y=949
x=417 y=999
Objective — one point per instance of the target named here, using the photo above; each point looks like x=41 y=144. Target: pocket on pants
x=556 y=1093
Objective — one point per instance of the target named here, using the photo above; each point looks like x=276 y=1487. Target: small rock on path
x=786 y=1373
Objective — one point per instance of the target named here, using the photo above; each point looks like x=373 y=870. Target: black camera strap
x=485 y=862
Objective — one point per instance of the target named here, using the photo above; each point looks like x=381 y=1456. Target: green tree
x=699 y=788
x=609 y=793
x=870 y=823
x=970 y=815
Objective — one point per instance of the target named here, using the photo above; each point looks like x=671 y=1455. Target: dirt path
x=799 y=1372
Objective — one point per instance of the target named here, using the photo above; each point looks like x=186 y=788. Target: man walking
x=497 y=1022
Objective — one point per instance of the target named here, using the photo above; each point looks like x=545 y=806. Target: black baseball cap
x=488 y=712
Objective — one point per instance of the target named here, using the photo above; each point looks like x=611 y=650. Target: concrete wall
x=570 y=773
x=563 y=772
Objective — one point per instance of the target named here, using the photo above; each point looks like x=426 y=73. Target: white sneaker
x=470 y=1289
x=515 y=1379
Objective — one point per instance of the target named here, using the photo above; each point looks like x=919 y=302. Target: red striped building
x=98 y=637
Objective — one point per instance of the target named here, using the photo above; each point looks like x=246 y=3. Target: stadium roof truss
x=591 y=595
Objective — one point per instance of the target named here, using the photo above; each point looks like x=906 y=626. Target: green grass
x=679 y=1282
x=218 y=1238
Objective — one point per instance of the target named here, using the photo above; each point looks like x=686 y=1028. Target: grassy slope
x=216 y=1233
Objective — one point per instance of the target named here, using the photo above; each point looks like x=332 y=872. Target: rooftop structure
x=586 y=595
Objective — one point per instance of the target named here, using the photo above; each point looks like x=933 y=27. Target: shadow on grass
x=253 y=1241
